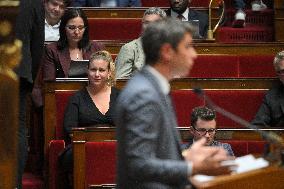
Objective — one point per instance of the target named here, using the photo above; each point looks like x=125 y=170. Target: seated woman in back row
x=91 y=106
x=94 y=104
x=73 y=44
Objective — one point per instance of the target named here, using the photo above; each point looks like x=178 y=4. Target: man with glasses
x=271 y=111
x=203 y=125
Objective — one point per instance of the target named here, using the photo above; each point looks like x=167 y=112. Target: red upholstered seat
x=239 y=147
x=215 y=66
x=54 y=149
x=61 y=98
x=230 y=3
x=256 y=66
x=244 y=147
x=165 y=3
x=245 y=35
x=262 y=18
x=58 y=145
x=100 y=162
x=114 y=28
x=243 y=103
x=256 y=147
x=31 y=181
x=183 y=102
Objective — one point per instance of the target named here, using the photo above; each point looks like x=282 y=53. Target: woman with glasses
x=73 y=44
x=203 y=125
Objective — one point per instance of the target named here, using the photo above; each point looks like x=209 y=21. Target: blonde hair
x=106 y=56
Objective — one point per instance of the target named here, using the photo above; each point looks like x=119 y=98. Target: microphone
x=270 y=137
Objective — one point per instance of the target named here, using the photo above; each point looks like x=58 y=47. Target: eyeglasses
x=73 y=28
x=280 y=72
x=203 y=131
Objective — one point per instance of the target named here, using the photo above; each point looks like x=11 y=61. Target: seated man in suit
x=203 y=124
x=180 y=9
x=128 y=3
x=131 y=56
x=271 y=111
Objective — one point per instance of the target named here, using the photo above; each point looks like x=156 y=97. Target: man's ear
x=166 y=52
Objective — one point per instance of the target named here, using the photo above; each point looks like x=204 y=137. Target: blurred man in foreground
x=149 y=153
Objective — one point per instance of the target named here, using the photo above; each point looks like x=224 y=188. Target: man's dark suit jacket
x=149 y=154
x=86 y=3
x=271 y=111
x=30 y=30
x=197 y=15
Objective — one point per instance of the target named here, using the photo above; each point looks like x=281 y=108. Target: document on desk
x=243 y=164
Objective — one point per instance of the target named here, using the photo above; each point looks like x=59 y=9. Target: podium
x=270 y=177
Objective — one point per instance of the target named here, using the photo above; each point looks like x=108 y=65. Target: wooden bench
x=56 y=96
x=55 y=100
x=88 y=140
x=207 y=47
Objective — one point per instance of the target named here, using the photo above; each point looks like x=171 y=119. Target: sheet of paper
x=244 y=164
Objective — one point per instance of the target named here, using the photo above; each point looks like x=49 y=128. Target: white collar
x=184 y=14
x=54 y=26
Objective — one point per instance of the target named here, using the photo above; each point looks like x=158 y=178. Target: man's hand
x=207 y=159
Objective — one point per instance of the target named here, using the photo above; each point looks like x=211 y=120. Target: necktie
x=180 y=17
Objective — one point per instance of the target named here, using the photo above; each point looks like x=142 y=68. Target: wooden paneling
x=209 y=47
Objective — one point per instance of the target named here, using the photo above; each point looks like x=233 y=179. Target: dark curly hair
x=203 y=113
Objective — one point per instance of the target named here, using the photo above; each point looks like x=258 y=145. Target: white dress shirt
x=51 y=32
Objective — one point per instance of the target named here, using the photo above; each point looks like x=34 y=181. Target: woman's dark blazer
x=55 y=64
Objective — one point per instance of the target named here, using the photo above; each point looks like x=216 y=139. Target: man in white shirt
x=54 y=10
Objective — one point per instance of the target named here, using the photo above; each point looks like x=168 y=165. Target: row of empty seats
x=231 y=66
x=130 y=28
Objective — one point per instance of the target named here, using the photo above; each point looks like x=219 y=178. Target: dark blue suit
x=86 y=3
x=197 y=15
x=239 y=4
x=128 y=3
